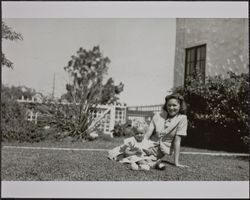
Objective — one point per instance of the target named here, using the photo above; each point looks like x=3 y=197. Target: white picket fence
x=104 y=116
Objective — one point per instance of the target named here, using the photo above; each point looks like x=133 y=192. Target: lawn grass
x=96 y=144
x=48 y=165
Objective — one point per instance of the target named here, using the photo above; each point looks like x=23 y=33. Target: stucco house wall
x=226 y=40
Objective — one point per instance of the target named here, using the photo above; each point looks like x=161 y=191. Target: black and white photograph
x=116 y=99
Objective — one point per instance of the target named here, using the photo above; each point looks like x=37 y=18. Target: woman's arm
x=177 y=147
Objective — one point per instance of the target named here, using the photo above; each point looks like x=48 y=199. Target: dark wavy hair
x=180 y=99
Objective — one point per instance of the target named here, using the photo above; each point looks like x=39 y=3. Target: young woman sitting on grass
x=166 y=129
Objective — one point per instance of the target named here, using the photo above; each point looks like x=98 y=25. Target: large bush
x=122 y=130
x=128 y=129
x=60 y=118
x=14 y=126
x=218 y=112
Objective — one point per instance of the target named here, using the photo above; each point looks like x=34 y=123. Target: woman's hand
x=181 y=166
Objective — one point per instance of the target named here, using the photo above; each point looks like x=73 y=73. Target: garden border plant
x=14 y=124
x=218 y=112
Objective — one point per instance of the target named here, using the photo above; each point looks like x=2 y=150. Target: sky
x=141 y=53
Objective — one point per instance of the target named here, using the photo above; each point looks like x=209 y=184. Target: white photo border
x=154 y=189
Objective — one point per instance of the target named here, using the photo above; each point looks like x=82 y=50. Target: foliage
x=9 y=34
x=16 y=92
x=218 y=110
x=122 y=130
x=110 y=91
x=14 y=125
x=86 y=70
x=126 y=130
x=59 y=117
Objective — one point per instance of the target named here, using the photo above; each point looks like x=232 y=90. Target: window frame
x=195 y=61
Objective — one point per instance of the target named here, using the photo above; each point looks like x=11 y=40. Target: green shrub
x=105 y=137
x=63 y=119
x=218 y=111
x=124 y=130
x=14 y=126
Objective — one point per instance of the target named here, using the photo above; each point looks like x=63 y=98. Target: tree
x=110 y=92
x=16 y=92
x=9 y=34
x=86 y=70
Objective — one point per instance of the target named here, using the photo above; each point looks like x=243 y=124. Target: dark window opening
x=195 y=63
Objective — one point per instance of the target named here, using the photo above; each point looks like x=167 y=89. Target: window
x=195 y=62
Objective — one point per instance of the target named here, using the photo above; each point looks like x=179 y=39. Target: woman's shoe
x=134 y=166
x=145 y=167
x=160 y=166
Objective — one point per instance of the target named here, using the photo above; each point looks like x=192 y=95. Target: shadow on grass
x=221 y=140
x=218 y=147
x=167 y=162
x=243 y=158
